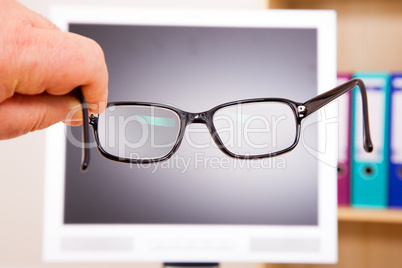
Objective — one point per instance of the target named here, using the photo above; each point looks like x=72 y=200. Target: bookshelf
x=369 y=34
x=347 y=214
x=369 y=39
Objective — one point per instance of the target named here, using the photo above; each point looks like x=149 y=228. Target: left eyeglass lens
x=256 y=128
x=138 y=132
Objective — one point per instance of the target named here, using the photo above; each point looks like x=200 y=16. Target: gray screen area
x=195 y=69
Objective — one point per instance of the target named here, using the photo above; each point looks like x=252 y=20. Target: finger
x=37 y=20
x=22 y=114
x=58 y=62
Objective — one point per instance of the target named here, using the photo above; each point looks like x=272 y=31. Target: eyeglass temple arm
x=319 y=101
x=85 y=130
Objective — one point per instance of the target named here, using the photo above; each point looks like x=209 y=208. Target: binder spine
x=370 y=171
x=395 y=168
x=344 y=170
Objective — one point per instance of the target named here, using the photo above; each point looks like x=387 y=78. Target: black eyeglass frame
x=300 y=111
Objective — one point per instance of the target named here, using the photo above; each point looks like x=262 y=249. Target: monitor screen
x=194 y=68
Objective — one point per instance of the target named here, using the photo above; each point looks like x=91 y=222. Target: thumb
x=22 y=113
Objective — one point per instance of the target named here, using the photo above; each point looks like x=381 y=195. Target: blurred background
x=369 y=39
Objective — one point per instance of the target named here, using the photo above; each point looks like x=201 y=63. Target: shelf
x=347 y=214
x=369 y=34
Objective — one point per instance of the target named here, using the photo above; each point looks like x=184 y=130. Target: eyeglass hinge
x=93 y=118
x=302 y=110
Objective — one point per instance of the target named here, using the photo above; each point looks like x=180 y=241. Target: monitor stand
x=195 y=264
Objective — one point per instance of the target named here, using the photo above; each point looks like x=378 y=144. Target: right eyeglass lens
x=256 y=128
x=138 y=132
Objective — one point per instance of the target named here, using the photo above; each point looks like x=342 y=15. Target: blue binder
x=370 y=172
x=395 y=172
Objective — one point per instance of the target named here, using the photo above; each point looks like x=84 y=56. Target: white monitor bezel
x=239 y=235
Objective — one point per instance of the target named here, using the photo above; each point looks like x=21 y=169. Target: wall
x=22 y=164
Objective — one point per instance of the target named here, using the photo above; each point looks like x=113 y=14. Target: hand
x=39 y=67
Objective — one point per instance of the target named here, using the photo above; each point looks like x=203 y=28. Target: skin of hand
x=39 y=67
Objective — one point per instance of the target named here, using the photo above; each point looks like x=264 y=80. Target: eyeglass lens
x=256 y=128
x=138 y=132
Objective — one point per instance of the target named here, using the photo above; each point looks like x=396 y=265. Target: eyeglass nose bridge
x=197 y=118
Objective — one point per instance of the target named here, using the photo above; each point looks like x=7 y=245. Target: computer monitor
x=200 y=205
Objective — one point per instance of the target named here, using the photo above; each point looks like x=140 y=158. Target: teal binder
x=369 y=187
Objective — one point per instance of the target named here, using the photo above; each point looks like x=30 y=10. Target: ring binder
x=369 y=185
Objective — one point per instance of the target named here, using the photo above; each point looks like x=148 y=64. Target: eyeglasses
x=142 y=132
